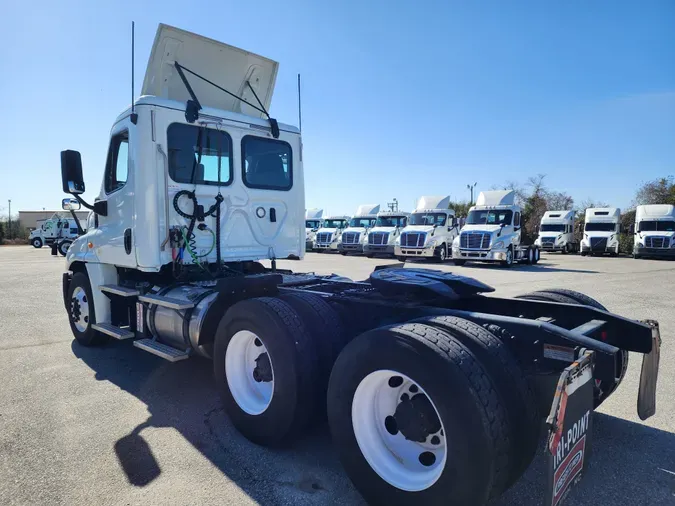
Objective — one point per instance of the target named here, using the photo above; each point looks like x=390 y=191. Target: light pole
x=470 y=187
x=9 y=219
x=393 y=206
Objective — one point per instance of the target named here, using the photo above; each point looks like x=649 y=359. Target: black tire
x=473 y=416
x=89 y=336
x=440 y=254
x=459 y=263
x=537 y=255
x=509 y=258
x=605 y=389
x=566 y=249
x=636 y=256
x=401 y=259
x=63 y=247
x=584 y=253
x=510 y=383
x=326 y=331
x=547 y=296
x=370 y=255
x=294 y=363
x=37 y=243
x=343 y=253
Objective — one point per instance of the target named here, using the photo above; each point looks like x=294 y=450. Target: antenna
x=299 y=106
x=134 y=116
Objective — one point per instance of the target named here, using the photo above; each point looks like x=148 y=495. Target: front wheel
x=64 y=246
x=343 y=253
x=81 y=314
x=509 y=258
x=37 y=243
x=440 y=254
x=370 y=255
x=401 y=259
x=459 y=263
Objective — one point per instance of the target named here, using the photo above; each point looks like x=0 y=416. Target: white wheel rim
x=536 y=256
x=36 y=242
x=245 y=353
x=396 y=459
x=442 y=253
x=509 y=257
x=79 y=309
x=531 y=256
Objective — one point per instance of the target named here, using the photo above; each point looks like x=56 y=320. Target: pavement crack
x=34 y=345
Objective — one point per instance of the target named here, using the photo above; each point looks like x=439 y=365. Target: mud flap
x=646 y=403
x=569 y=424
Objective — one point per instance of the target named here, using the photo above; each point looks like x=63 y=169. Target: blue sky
x=400 y=99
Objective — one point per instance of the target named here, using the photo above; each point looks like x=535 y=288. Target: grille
x=598 y=243
x=656 y=242
x=324 y=238
x=413 y=239
x=350 y=238
x=378 y=238
x=547 y=242
x=474 y=240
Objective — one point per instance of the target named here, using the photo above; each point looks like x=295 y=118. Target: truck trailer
x=601 y=231
x=654 y=231
x=434 y=392
x=556 y=232
x=492 y=232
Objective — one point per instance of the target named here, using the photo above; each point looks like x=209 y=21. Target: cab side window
x=117 y=164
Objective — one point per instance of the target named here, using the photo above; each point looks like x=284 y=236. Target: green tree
x=658 y=191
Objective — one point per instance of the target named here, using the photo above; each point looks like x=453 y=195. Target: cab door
x=115 y=241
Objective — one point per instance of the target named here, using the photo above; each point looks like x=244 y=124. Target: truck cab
x=654 y=231
x=355 y=236
x=601 y=231
x=313 y=223
x=53 y=229
x=556 y=232
x=429 y=231
x=329 y=236
x=492 y=232
x=382 y=237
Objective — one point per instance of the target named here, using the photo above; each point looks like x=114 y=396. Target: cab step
x=123 y=291
x=113 y=331
x=169 y=302
x=161 y=350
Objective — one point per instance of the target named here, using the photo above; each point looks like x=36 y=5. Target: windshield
x=312 y=223
x=334 y=223
x=362 y=222
x=437 y=219
x=656 y=226
x=600 y=227
x=391 y=221
x=552 y=228
x=495 y=217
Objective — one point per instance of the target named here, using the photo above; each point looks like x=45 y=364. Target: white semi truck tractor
x=429 y=232
x=427 y=384
x=355 y=236
x=492 y=232
x=654 y=231
x=601 y=231
x=313 y=223
x=382 y=237
x=556 y=232
x=329 y=236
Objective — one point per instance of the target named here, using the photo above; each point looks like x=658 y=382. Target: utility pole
x=470 y=187
x=393 y=206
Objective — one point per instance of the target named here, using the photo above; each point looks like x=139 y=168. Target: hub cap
x=441 y=254
x=79 y=309
x=509 y=257
x=249 y=372
x=398 y=430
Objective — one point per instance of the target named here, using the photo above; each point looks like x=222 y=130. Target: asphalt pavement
x=118 y=426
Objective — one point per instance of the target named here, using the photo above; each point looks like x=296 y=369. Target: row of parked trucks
x=435 y=394
x=491 y=233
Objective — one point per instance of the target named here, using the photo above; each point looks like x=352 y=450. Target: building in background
x=29 y=219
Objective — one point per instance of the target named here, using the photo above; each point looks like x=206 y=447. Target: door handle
x=127 y=241
x=273 y=215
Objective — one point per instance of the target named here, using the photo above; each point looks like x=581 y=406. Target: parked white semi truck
x=654 y=231
x=313 y=223
x=601 y=231
x=430 y=399
x=355 y=236
x=492 y=232
x=556 y=232
x=382 y=237
x=55 y=229
x=429 y=232
x=329 y=236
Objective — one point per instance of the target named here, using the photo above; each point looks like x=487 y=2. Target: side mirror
x=70 y=205
x=632 y=228
x=71 y=172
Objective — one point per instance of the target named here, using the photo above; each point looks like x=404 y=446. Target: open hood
x=224 y=65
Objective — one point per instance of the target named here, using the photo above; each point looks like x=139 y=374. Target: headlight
x=397 y=242
x=672 y=245
x=640 y=245
x=432 y=241
x=498 y=245
x=559 y=237
x=455 y=242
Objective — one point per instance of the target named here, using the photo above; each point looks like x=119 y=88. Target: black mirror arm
x=82 y=202
x=80 y=230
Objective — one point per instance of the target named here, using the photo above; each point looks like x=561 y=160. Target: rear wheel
x=81 y=314
x=37 y=243
x=266 y=370
x=399 y=435
x=530 y=255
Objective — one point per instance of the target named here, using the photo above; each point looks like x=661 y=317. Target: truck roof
x=389 y=214
x=337 y=217
x=654 y=212
x=367 y=210
x=557 y=216
x=603 y=213
x=227 y=66
x=429 y=202
x=494 y=198
x=313 y=214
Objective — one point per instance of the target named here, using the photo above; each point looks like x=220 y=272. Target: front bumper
x=655 y=252
x=333 y=246
x=587 y=249
x=377 y=249
x=479 y=255
x=352 y=248
x=552 y=247
x=427 y=252
x=309 y=245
